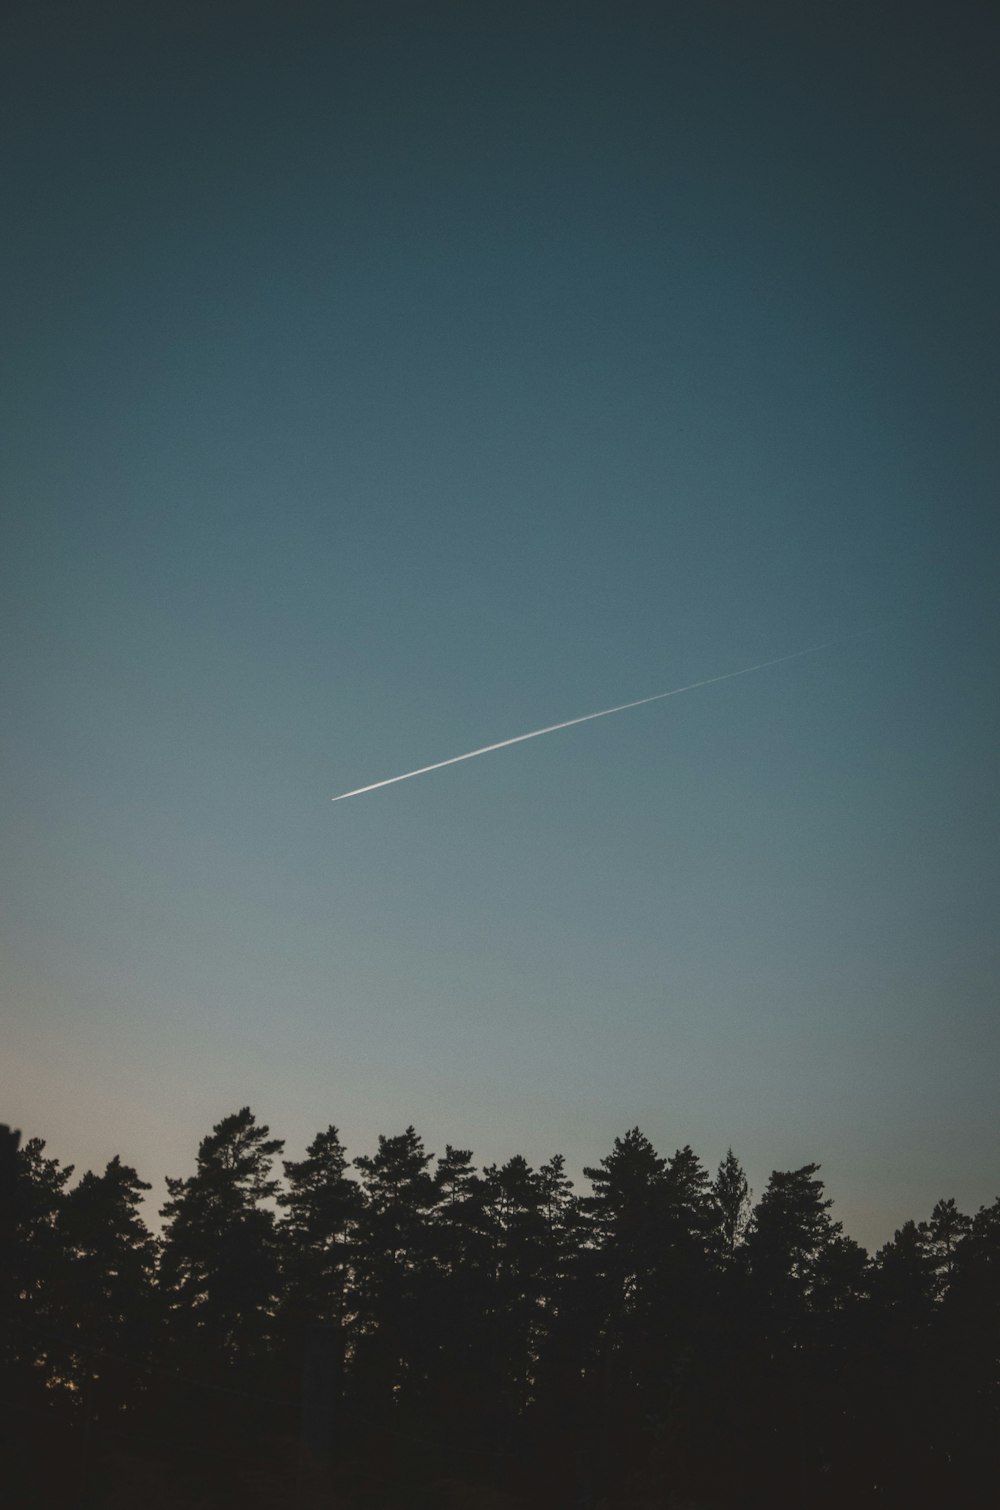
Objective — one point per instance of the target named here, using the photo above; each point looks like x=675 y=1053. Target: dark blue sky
x=381 y=381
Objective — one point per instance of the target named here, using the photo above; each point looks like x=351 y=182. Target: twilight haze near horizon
x=381 y=379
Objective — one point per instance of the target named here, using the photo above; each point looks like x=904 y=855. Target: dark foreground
x=421 y=1335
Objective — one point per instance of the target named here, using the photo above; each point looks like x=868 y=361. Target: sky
x=382 y=381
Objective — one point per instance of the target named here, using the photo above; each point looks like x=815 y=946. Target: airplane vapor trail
x=584 y=718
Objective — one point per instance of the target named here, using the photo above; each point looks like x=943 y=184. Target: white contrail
x=584 y=718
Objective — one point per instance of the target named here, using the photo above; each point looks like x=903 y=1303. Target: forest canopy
x=407 y=1328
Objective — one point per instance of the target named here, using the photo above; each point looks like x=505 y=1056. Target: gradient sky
x=384 y=380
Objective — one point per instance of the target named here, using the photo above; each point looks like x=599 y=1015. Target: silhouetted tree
x=622 y=1269
x=107 y=1292
x=457 y=1298
x=969 y=1363
x=561 y=1238
x=624 y=1217
x=514 y=1202
x=789 y=1230
x=219 y=1270
x=34 y=1264
x=393 y=1261
x=904 y=1280
x=945 y=1231
x=322 y=1206
x=689 y=1221
x=731 y=1194
x=788 y=1241
x=317 y=1240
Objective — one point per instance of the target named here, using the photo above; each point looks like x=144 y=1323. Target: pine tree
x=219 y=1270
x=560 y=1210
x=945 y=1231
x=393 y=1266
x=458 y=1294
x=789 y=1235
x=625 y=1211
x=731 y=1194
x=322 y=1207
x=514 y=1203
x=459 y=1213
x=969 y=1360
x=689 y=1209
x=107 y=1297
x=903 y=1277
x=972 y=1314
x=789 y=1229
x=34 y=1265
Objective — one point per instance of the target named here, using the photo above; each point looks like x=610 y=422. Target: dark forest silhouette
x=408 y=1330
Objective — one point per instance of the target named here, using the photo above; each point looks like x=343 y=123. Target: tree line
x=409 y=1329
